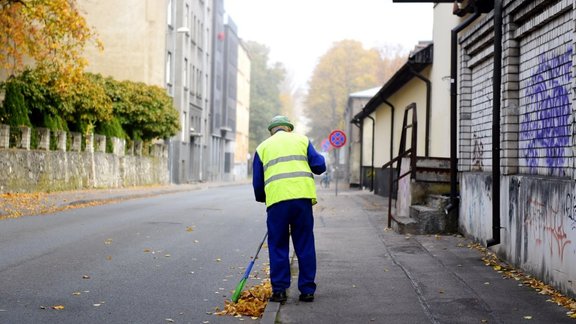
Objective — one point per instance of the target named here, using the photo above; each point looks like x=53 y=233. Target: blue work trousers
x=291 y=217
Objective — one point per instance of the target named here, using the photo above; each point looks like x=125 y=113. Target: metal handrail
x=403 y=152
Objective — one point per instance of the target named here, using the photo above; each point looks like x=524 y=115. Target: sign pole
x=337 y=138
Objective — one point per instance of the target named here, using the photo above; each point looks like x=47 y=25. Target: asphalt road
x=161 y=259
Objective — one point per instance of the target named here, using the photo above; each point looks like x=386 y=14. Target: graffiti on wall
x=570 y=208
x=545 y=125
x=546 y=222
x=477 y=154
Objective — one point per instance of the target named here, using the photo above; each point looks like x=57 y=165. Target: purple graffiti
x=545 y=126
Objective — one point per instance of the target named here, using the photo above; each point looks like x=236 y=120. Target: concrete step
x=429 y=169
x=405 y=225
x=437 y=201
x=430 y=220
x=432 y=162
x=422 y=220
x=432 y=175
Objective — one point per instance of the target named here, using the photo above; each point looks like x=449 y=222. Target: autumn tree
x=346 y=68
x=265 y=98
x=50 y=34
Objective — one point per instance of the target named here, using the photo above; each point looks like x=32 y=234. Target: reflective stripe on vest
x=287 y=174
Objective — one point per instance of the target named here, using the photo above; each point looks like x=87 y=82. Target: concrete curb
x=271 y=312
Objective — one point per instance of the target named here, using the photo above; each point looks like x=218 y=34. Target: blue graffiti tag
x=545 y=125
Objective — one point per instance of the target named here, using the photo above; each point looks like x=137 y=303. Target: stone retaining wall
x=23 y=169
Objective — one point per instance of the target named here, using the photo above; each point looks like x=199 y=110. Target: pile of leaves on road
x=491 y=259
x=252 y=302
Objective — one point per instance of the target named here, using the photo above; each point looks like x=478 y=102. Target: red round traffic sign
x=337 y=138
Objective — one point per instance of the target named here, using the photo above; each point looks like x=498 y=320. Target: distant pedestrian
x=283 y=178
x=325 y=181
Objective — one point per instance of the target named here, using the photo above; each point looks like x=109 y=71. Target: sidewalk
x=367 y=274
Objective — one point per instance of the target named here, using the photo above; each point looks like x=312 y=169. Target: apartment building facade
x=188 y=47
x=224 y=92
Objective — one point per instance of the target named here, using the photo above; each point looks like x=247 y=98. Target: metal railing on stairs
x=403 y=153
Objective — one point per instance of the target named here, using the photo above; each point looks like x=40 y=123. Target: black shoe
x=306 y=298
x=279 y=297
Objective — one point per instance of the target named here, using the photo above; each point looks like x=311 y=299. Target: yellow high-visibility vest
x=287 y=174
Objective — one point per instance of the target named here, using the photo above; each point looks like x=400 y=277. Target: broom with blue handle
x=240 y=285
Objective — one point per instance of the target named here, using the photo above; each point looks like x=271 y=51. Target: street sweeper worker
x=282 y=177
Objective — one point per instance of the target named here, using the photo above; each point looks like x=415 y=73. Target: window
x=183 y=126
x=187 y=16
x=169 y=13
x=169 y=71
x=193 y=81
x=199 y=86
x=185 y=83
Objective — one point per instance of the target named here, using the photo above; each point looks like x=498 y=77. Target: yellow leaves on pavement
x=15 y=205
x=490 y=259
x=252 y=302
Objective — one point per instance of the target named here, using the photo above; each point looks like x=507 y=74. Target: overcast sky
x=299 y=32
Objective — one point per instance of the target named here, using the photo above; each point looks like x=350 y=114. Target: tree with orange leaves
x=50 y=34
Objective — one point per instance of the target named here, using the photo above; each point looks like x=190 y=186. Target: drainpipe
x=391 y=130
x=454 y=201
x=496 y=89
x=428 y=99
x=360 y=125
x=373 y=128
x=391 y=174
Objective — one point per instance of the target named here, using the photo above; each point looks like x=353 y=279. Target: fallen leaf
x=76 y=293
x=58 y=307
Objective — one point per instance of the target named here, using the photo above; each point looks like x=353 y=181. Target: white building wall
x=444 y=21
x=134 y=37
